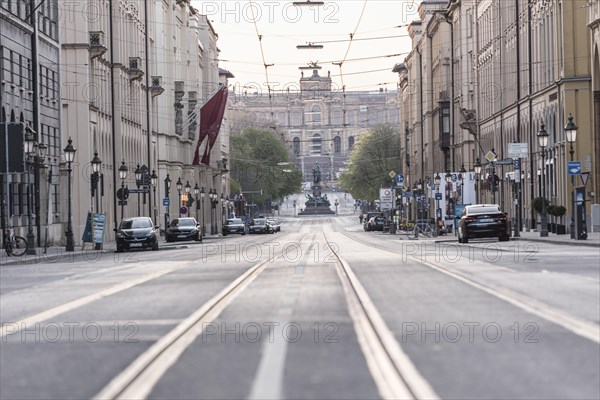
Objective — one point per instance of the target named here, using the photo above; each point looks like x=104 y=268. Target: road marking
x=394 y=373
x=71 y=305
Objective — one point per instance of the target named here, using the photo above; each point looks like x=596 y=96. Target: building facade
x=506 y=69
x=318 y=122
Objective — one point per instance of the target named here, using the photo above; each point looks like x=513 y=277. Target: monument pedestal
x=319 y=210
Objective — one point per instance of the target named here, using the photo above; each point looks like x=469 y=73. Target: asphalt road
x=288 y=316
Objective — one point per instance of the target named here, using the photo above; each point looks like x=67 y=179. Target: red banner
x=211 y=117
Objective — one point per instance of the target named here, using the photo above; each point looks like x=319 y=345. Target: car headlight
x=120 y=235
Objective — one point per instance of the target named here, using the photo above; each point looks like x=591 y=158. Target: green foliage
x=375 y=154
x=551 y=209
x=260 y=161
x=537 y=204
x=559 y=211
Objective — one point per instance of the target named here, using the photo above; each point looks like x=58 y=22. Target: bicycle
x=14 y=245
x=422 y=229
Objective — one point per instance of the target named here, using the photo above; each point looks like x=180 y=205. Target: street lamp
x=213 y=196
x=122 y=175
x=463 y=173
x=69 y=157
x=196 y=193
x=179 y=186
x=30 y=148
x=543 y=142
x=202 y=194
x=154 y=182
x=477 y=169
x=167 y=190
x=223 y=204
x=571 y=133
x=188 y=189
x=96 y=163
x=138 y=180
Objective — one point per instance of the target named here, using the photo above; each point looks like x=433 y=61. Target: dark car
x=183 y=229
x=375 y=224
x=235 y=225
x=367 y=225
x=260 y=225
x=482 y=221
x=276 y=225
x=137 y=233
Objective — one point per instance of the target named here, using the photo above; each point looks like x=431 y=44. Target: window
x=296 y=146
x=316 y=113
x=337 y=144
x=350 y=142
x=316 y=144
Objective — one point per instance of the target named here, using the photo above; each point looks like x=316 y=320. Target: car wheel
x=119 y=249
x=504 y=238
x=168 y=239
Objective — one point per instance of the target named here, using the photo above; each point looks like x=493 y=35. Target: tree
x=261 y=162
x=375 y=154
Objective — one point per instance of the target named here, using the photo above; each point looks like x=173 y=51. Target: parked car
x=367 y=219
x=276 y=225
x=235 y=225
x=260 y=225
x=482 y=221
x=375 y=224
x=137 y=233
x=183 y=229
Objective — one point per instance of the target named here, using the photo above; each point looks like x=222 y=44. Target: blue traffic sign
x=399 y=178
x=438 y=196
x=574 y=167
x=166 y=201
x=517 y=164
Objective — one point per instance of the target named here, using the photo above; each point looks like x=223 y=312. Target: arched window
x=350 y=143
x=315 y=144
x=337 y=144
x=316 y=113
x=296 y=146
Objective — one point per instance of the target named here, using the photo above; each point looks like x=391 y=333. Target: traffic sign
x=166 y=201
x=505 y=162
x=574 y=168
x=123 y=194
x=490 y=156
x=517 y=164
x=584 y=178
x=183 y=210
x=400 y=178
x=438 y=196
x=518 y=150
x=392 y=174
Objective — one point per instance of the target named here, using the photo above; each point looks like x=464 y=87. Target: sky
x=378 y=28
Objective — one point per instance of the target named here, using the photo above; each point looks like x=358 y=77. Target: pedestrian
x=360 y=218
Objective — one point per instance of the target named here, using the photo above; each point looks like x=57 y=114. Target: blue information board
x=99 y=224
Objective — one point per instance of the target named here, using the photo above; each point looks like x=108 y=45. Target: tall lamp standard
x=69 y=157
x=223 y=204
x=196 y=193
x=167 y=190
x=30 y=149
x=202 y=194
x=571 y=133
x=477 y=168
x=138 y=180
x=123 y=175
x=154 y=182
x=188 y=189
x=213 y=201
x=437 y=180
x=463 y=173
x=96 y=164
x=543 y=142
x=179 y=186
x=448 y=179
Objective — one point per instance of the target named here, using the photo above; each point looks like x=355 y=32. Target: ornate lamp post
x=96 y=164
x=213 y=201
x=30 y=150
x=477 y=168
x=69 y=157
x=179 y=186
x=167 y=189
x=437 y=180
x=138 y=180
x=463 y=173
x=122 y=175
x=543 y=142
x=188 y=189
x=202 y=194
x=571 y=133
x=196 y=193
x=223 y=204
x=154 y=182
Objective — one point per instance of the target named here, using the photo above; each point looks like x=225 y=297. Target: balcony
x=97 y=44
x=135 y=68
x=156 y=87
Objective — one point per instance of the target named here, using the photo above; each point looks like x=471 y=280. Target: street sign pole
x=517 y=172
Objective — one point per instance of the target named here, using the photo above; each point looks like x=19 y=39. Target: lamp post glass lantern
x=69 y=151
x=543 y=143
x=202 y=194
x=179 y=186
x=30 y=149
x=122 y=175
x=571 y=135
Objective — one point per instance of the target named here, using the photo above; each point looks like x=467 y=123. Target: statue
x=316 y=174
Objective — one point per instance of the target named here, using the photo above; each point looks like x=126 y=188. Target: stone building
x=506 y=69
x=30 y=98
x=318 y=122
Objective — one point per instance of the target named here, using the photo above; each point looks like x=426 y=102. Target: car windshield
x=183 y=222
x=259 y=222
x=483 y=210
x=235 y=221
x=135 y=223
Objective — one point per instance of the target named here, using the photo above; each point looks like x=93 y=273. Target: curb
x=565 y=243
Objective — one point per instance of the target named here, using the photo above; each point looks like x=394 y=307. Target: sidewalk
x=593 y=239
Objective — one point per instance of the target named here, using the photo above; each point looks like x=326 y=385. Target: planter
x=552 y=227
x=561 y=229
